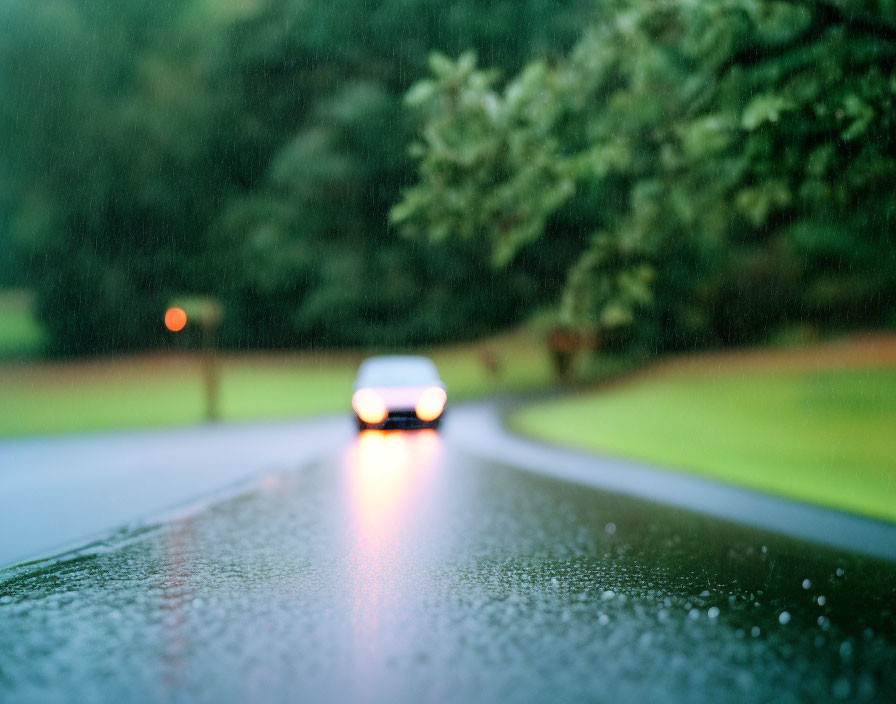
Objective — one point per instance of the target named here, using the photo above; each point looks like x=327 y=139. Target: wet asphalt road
x=402 y=569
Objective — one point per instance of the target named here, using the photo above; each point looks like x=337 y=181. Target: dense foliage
x=667 y=174
x=725 y=168
x=246 y=150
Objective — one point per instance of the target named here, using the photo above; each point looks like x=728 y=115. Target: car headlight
x=431 y=403
x=369 y=406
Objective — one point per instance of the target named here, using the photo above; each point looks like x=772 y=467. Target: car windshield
x=397 y=371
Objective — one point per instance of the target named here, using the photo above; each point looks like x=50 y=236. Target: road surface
x=411 y=567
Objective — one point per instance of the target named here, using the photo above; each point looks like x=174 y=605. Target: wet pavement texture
x=403 y=570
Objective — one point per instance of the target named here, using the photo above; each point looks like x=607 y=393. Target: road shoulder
x=479 y=430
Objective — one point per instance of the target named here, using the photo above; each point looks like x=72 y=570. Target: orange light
x=431 y=403
x=369 y=406
x=175 y=319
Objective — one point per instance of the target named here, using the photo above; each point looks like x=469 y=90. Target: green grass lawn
x=38 y=398
x=42 y=397
x=827 y=437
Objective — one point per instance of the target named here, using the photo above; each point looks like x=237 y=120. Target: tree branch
x=825 y=17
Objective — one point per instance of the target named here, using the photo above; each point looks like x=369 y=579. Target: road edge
x=795 y=519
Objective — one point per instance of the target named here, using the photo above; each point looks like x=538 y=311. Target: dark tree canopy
x=249 y=151
x=664 y=174
x=732 y=164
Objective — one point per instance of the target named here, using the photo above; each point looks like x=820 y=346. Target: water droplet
x=806 y=584
x=610 y=528
x=713 y=612
x=754 y=631
x=603 y=619
x=609 y=594
x=822 y=600
x=784 y=618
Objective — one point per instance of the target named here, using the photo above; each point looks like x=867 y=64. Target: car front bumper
x=400 y=420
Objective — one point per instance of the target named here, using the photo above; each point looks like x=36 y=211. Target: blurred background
x=250 y=151
x=684 y=188
x=533 y=192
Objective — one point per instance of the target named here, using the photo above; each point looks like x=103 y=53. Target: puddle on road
x=399 y=575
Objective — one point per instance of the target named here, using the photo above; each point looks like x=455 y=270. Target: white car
x=398 y=392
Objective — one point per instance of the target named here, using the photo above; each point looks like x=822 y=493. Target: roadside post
x=207 y=313
x=565 y=344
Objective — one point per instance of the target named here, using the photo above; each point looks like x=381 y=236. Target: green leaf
x=764 y=109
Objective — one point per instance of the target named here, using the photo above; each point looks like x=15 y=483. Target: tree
x=730 y=161
x=248 y=151
x=102 y=133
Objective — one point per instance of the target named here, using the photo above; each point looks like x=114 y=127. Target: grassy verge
x=38 y=398
x=824 y=433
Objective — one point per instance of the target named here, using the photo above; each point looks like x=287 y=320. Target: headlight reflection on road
x=385 y=468
x=389 y=478
x=178 y=548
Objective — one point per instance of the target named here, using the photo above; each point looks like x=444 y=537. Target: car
x=398 y=392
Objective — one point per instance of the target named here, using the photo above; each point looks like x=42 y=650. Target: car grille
x=399 y=420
